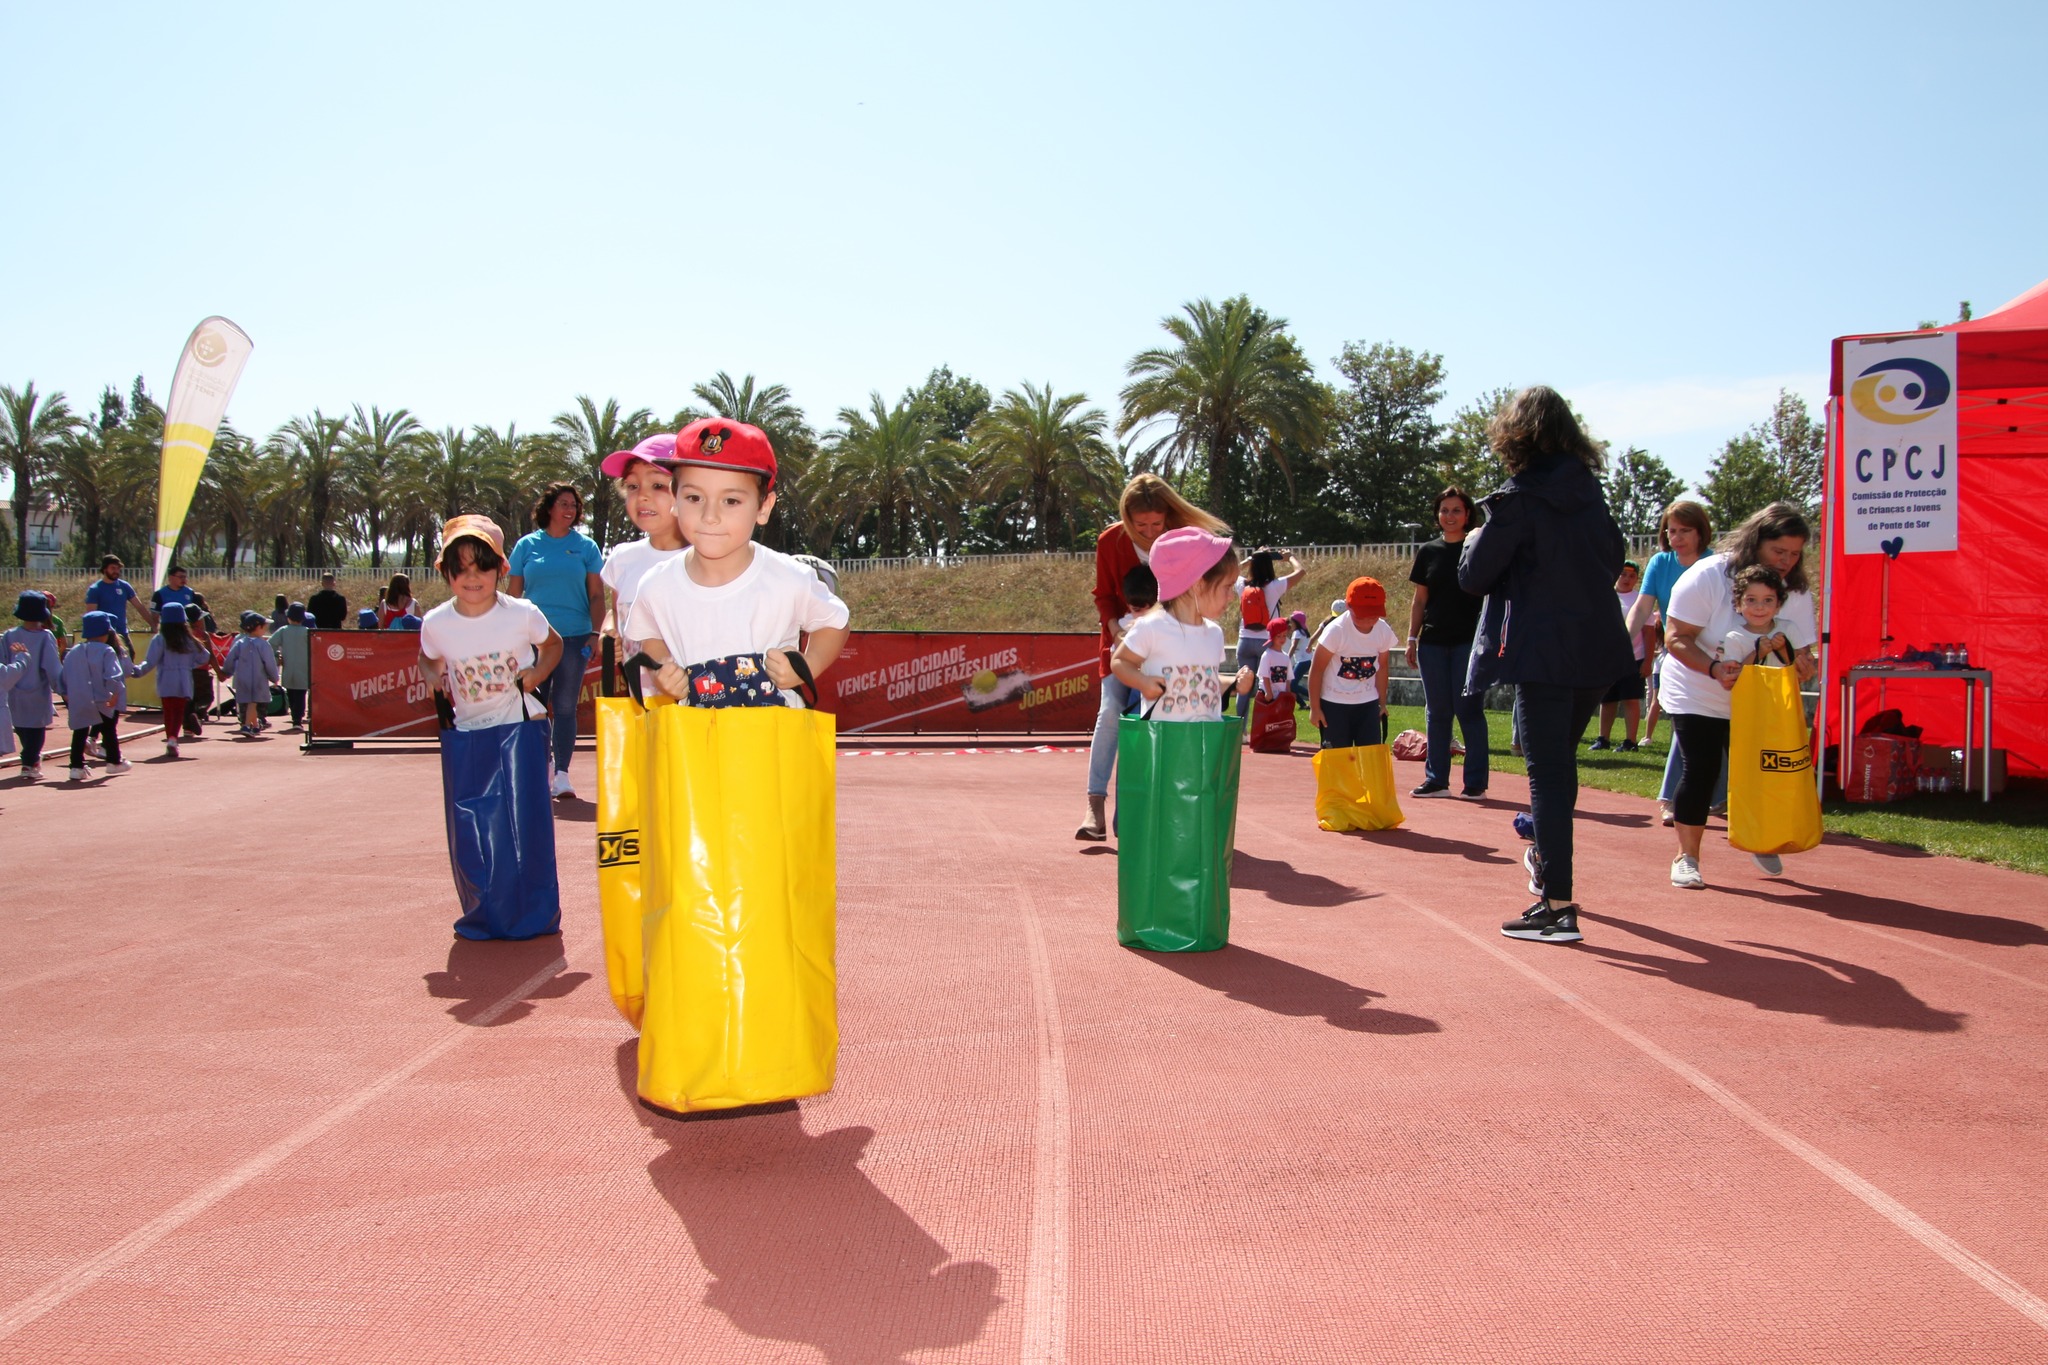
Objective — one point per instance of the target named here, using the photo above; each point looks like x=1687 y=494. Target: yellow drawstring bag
x=1355 y=789
x=738 y=894
x=621 y=770
x=1773 y=805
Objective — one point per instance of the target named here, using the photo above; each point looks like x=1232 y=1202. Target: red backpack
x=1252 y=607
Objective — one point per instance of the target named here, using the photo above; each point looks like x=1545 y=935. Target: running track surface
x=261 y=1107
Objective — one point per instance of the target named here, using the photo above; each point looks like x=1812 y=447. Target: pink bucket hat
x=662 y=447
x=1182 y=556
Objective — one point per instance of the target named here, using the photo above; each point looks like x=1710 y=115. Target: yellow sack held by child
x=621 y=769
x=1355 y=789
x=739 y=892
x=1773 y=805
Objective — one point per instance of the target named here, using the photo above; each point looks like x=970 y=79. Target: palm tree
x=885 y=462
x=314 y=449
x=102 y=478
x=30 y=433
x=378 y=450
x=1048 y=457
x=229 y=495
x=588 y=435
x=1234 y=386
x=770 y=408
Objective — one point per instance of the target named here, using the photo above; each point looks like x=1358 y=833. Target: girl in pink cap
x=1172 y=655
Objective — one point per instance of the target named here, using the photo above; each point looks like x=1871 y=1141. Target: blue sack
x=501 y=830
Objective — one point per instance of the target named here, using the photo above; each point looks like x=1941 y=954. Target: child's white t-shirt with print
x=624 y=567
x=1276 y=673
x=1628 y=603
x=1186 y=659
x=1739 y=645
x=773 y=601
x=1353 y=675
x=483 y=657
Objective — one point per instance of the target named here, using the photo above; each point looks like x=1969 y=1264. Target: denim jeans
x=1674 y=772
x=1443 y=697
x=561 y=691
x=1551 y=717
x=1102 y=748
x=1248 y=653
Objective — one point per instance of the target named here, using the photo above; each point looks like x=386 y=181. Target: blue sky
x=479 y=212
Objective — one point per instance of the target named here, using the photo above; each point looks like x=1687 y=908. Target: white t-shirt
x=483 y=657
x=1274 y=592
x=1300 y=647
x=1628 y=602
x=1740 y=643
x=767 y=607
x=1352 y=676
x=624 y=567
x=1705 y=597
x=1276 y=672
x=1185 y=658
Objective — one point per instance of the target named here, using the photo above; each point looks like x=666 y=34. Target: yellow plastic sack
x=739 y=890
x=1355 y=789
x=621 y=770
x=1773 y=805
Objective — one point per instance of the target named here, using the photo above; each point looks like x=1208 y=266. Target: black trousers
x=1346 y=725
x=1550 y=718
x=110 y=742
x=295 y=697
x=1702 y=740
x=31 y=741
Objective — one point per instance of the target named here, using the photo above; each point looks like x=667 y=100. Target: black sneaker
x=1532 y=862
x=1546 y=923
x=1432 y=789
x=1598 y=743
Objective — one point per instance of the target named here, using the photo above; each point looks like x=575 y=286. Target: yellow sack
x=621 y=770
x=738 y=889
x=1355 y=789
x=1773 y=805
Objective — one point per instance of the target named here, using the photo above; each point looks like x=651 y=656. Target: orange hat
x=471 y=524
x=1366 y=597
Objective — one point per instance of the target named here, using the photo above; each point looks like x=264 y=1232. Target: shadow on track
x=802 y=1246
x=479 y=974
x=1280 y=987
x=1415 y=841
x=1280 y=881
x=1895 y=914
x=1783 y=980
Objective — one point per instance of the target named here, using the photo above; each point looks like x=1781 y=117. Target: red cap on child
x=721 y=443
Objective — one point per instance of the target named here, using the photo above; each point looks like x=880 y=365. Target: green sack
x=1176 y=806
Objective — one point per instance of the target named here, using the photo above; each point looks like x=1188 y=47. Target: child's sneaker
x=1598 y=743
x=123 y=766
x=1627 y=746
x=1685 y=874
x=92 y=749
x=1770 y=864
x=1532 y=861
x=1546 y=923
x=170 y=748
x=31 y=772
x=75 y=774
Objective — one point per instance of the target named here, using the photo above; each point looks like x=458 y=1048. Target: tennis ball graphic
x=985 y=681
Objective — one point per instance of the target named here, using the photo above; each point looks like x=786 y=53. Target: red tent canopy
x=1991 y=593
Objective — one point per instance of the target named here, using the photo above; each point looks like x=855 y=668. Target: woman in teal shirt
x=556 y=568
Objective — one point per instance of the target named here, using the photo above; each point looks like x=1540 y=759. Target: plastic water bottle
x=1965 y=655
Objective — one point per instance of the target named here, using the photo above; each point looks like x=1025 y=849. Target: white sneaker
x=171 y=750
x=32 y=772
x=1685 y=874
x=560 y=786
x=123 y=766
x=1770 y=864
x=1664 y=816
x=75 y=774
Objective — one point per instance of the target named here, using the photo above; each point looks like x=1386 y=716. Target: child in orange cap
x=1346 y=694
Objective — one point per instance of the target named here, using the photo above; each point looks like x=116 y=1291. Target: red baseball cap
x=662 y=447
x=721 y=443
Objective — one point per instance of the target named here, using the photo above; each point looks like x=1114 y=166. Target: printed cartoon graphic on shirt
x=1358 y=668
x=1191 y=690
x=736 y=680
x=485 y=678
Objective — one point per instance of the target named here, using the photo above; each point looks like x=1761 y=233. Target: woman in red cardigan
x=1148 y=509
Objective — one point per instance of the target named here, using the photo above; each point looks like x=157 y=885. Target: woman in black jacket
x=1546 y=560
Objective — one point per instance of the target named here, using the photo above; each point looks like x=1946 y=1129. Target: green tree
x=314 y=451
x=1233 y=391
x=1465 y=457
x=588 y=434
x=1046 y=457
x=771 y=408
x=1639 y=487
x=378 y=449
x=1780 y=459
x=950 y=405
x=31 y=430
x=229 y=495
x=886 y=475
x=1383 y=456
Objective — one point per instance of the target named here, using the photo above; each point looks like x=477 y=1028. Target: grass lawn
x=2012 y=831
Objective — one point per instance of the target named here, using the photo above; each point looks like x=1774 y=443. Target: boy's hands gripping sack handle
x=801 y=666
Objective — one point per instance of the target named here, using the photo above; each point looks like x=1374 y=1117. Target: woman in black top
x=1441 y=623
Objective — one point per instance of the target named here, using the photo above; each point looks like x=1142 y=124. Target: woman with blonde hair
x=1545 y=561
x=1684 y=535
x=1148 y=509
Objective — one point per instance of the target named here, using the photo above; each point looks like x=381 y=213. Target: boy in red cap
x=1346 y=696
x=723 y=618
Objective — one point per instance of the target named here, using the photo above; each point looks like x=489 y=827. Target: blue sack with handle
x=501 y=829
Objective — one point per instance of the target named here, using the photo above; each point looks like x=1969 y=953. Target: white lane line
x=1912 y=1224
x=87 y=1273
x=1045 y=1273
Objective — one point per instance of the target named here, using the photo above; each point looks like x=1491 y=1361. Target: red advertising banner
x=366 y=684
x=908 y=682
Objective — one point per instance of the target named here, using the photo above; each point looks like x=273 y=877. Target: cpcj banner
x=207 y=372
x=907 y=682
x=1898 y=487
